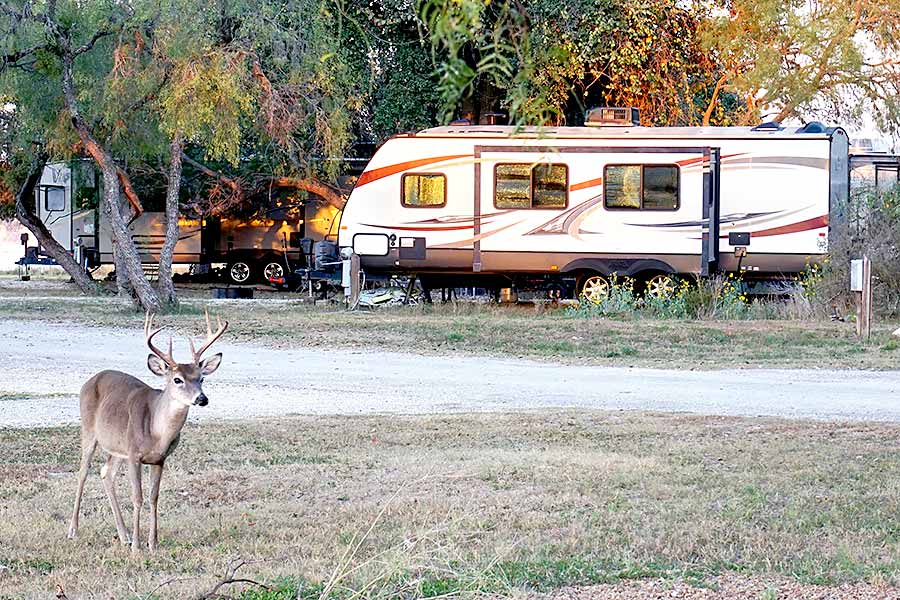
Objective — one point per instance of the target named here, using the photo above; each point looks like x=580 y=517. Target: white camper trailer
x=250 y=250
x=566 y=207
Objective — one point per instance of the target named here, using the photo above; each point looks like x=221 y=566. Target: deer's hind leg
x=108 y=475
x=88 y=445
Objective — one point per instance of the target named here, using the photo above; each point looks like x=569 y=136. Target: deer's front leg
x=88 y=445
x=108 y=475
x=137 y=499
x=155 y=478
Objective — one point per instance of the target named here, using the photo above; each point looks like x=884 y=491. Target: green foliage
x=550 y=60
x=206 y=99
x=814 y=60
x=869 y=224
x=620 y=301
x=720 y=297
x=406 y=96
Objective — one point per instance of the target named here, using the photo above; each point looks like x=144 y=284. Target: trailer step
x=151 y=271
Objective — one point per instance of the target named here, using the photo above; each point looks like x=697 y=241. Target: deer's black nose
x=201 y=400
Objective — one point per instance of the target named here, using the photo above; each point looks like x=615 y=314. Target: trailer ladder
x=151 y=271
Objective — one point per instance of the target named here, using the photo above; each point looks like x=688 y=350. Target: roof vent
x=492 y=118
x=603 y=116
x=768 y=126
x=812 y=127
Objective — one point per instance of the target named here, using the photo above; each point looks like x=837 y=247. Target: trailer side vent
x=605 y=116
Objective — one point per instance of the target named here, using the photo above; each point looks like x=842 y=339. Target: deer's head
x=184 y=381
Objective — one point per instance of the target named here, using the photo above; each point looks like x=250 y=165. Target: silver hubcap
x=273 y=271
x=660 y=286
x=595 y=288
x=240 y=272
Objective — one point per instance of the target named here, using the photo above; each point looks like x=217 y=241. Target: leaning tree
x=250 y=94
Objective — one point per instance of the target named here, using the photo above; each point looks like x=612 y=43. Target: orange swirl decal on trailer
x=381 y=172
x=404 y=228
x=807 y=225
x=586 y=184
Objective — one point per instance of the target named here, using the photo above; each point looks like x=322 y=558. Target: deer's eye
x=178 y=380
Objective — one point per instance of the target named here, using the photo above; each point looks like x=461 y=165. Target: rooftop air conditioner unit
x=604 y=116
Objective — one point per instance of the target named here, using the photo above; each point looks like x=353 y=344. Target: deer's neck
x=168 y=418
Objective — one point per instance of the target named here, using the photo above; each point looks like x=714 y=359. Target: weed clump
x=724 y=297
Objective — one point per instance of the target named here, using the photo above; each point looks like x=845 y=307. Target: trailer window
x=660 y=188
x=54 y=198
x=641 y=187
x=512 y=186
x=529 y=185
x=622 y=186
x=428 y=190
x=549 y=186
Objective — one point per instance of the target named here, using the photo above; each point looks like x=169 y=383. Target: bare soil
x=552 y=335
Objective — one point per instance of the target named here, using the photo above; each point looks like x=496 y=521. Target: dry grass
x=285 y=321
x=494 y=503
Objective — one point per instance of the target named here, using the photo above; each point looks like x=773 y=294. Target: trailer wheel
x=660 y=287
x=273 y=270
x=239 y=271
x=593 y=287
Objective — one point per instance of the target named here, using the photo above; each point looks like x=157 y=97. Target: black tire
x=240 y=272
x=271 y=267
x=591 y=286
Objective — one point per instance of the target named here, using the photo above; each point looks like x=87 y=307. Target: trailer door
x=539 y=208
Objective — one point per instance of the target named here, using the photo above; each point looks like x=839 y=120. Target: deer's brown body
x=153 y=420
x=139 y=425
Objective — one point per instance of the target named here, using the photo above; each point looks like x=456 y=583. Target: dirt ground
x=256 y=380
x=553 y=335
x=486 y=453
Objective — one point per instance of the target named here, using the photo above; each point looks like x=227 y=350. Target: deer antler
x=169 y=359
x=210 y=337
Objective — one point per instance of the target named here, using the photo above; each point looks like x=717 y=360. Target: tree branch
x=331 y=195
x=137 y=208
x=231 y=183
x=230 y=579
x=87 y=46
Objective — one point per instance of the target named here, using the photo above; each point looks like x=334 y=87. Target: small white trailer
x=251 y=250
x=874 y=171
x=566 y=207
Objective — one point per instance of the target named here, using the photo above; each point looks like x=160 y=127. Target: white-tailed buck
x=140 y=425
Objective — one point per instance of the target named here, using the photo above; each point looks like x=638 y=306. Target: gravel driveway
x=42 y=367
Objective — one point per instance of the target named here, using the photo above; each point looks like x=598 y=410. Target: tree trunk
x=164 y=285
x=51 y=247
x=128 y=261
x=125 y=289
x=129 y=272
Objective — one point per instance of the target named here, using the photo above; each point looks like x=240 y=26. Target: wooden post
x=867 y=296
x=863 y=292
x=354 y=281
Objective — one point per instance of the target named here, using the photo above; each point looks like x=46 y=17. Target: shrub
x=621 y=301
x=720 y=297
x=868 y=224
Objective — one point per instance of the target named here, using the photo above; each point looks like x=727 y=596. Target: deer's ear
x=209 y=365
x=157 y=365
